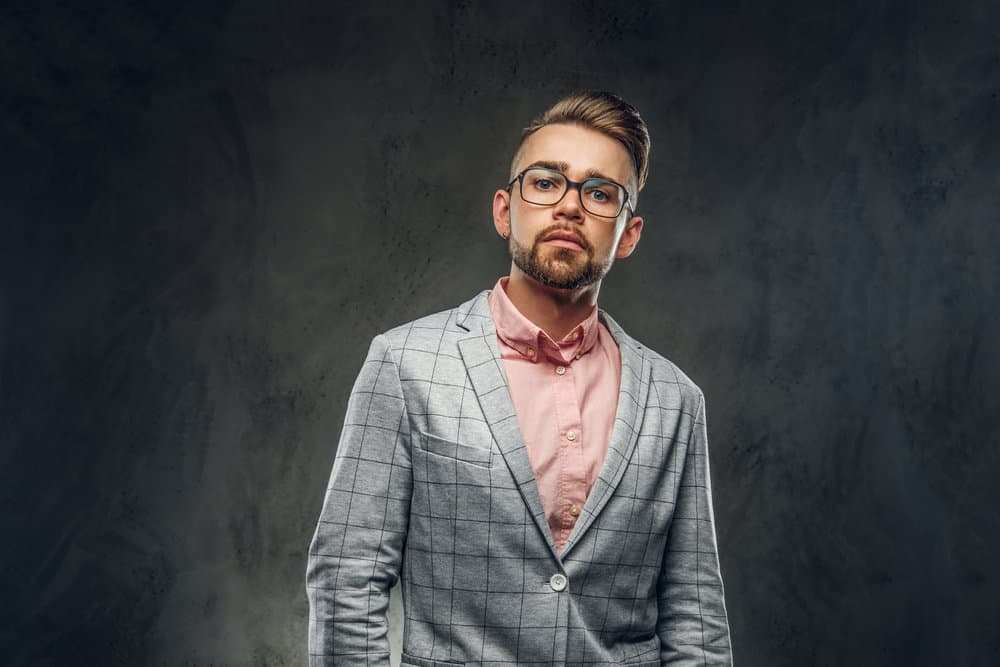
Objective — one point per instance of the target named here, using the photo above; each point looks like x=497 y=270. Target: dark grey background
x=208 y=209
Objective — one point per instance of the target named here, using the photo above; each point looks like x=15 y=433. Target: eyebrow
x=564 y=167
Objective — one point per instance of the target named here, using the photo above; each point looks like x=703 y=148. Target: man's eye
x=600 y=196
x=543 y=184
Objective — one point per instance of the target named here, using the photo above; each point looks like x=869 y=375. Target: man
x=536 y=478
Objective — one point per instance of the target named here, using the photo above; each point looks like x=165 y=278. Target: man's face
x=564 y=246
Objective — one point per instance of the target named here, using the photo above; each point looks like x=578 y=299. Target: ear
x=501 y=212
x=630 y=237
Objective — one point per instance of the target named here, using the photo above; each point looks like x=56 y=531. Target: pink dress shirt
x=565 y=394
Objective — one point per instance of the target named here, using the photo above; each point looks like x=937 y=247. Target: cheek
x=528 y=222
x=606 y=242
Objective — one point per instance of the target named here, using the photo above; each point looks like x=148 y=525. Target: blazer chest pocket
x=456 y=451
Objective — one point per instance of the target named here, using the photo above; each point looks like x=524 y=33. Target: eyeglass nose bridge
x=570 y=185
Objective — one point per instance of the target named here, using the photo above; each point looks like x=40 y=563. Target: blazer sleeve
x=692 y=622
x=357 y=549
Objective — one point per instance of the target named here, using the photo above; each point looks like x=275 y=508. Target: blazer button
x=558 y=582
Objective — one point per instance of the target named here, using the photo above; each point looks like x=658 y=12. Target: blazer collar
x=632 y=395
x=481 y=356
x=475 y=313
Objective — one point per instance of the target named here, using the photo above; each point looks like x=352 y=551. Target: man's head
x=607 y=113
x=595 y=148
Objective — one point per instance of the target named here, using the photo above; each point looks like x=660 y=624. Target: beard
x=561 y=268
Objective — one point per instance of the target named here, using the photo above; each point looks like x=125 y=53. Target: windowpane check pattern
x=431 y=482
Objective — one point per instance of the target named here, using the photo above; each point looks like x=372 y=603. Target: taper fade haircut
x=607 y=113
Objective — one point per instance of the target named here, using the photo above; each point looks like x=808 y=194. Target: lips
x=565 y=240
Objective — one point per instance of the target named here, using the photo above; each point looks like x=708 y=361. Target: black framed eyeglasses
x=546 y=187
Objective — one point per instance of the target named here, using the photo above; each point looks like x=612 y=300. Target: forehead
x=582 y=148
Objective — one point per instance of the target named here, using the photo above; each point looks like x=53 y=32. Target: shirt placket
x=572 y=471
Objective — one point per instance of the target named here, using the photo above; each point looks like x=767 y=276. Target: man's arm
x=692 y=621
x=357 y=550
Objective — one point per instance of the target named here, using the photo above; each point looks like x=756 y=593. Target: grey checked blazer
x=431 y=482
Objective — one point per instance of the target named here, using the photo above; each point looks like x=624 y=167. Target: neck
x=555 y=311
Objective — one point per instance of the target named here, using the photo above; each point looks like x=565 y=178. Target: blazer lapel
x=625 y=432
x=481 y=356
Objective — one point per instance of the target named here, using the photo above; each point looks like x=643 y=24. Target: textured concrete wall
x=208 y=211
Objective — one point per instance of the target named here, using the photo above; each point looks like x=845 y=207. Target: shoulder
x=663 y=372
x=435 y=333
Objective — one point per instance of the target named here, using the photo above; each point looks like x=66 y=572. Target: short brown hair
x=607 y=113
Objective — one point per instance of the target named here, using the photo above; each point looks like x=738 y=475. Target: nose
x=570 y=206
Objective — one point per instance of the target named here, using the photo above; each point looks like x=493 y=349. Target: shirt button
x=571 y=435
x=560 y=370
x=574 y=510
x=531 y=351
x=576 y=334
x=558 y=582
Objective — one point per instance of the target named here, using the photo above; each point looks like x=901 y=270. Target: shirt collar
x=529 y=340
